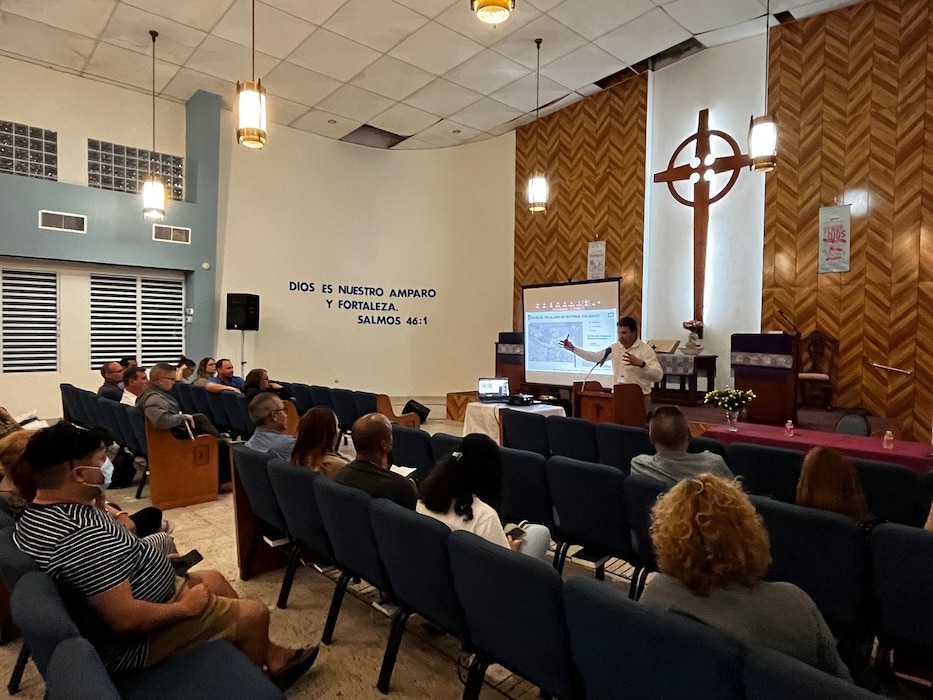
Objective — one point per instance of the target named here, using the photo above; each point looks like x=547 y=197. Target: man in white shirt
x=633 y=362
x=135 y=382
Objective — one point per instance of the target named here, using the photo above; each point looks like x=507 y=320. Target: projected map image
x=542 y=341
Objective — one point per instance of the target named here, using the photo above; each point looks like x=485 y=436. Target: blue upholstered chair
x=303 y=398
x=364 y=402
x=571 y=437
x=182 y=392
x=641 y=493
x=700 y=444
x=109 y=408
x=203 y=405
x=126 y=425
x=345 y=409
x=893 y=492
x=514 y=611
x=413 y=549
x=70 y=409
x=411 y=447
x=617 y=444
x=766 y=471
x=321 y=396
x=138 y=424
x=220 y=419
x=524 y=431
x=527 y=494
x=442 y=444
x=236 y=407
x=14 y=564
x=623 y=646
x=771 y=675
x=41 y=615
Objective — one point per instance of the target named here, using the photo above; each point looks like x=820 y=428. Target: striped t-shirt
x=86 y=554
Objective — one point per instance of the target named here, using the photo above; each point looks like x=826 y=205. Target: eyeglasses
x=276 y=410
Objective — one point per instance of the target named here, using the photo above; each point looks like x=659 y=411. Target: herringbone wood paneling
x=593 y=153
x=852 y=92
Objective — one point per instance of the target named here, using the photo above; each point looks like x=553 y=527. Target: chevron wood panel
x=594 y=155
x=852 y=92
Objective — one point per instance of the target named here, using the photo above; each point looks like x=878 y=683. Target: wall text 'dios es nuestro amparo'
x=392 y=306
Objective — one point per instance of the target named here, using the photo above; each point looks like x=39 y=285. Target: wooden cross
x=700 y=171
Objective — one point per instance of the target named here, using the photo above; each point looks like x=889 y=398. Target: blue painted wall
x=117 y=233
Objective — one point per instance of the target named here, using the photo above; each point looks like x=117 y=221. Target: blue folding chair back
x=411 y=447
x=766 y=471
x=571 y=437
x=524 y=431
x=527 y=494
x=321 y=396
x=641 y=493
x=702 y=444
x=771 y=675
x=893 y=492
x=443 y=445
x=345 y=408
x=199 y=395
x=252 y=468
x=185 y=399
x=236 y=407
x=14 y=563
x=294 y=491
x=40 y=613
x=303 y=398
x=617 y=444
x=364 y=402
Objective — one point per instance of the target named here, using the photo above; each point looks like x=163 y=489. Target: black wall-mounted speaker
x=242 y=312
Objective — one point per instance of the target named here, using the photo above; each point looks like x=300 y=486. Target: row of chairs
x=348 y=405
x=573 y=640
x=893 y=492
x=227 y=410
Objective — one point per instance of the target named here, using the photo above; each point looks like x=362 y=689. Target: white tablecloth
x=484 y=417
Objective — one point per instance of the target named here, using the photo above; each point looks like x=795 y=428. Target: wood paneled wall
x=852 y=93
x=593 y=153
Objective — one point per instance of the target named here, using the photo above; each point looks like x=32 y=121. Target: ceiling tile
x=447 y=133
x=128 y=67
x=23 y=37
x=800 y=10
x=642 y=38
x=436 y=49
x=224 y=59
x=333 y=55
x=353 y=103
x=315 y=12
x=565 y=101
x=442 y=98
x=546 y=5
x=379 y=24
x=203 y=14
x=586 y=65
x=521 y=93
x=459 y=18
x=413 y=144
x=284 y=112
x=485 y=114
x=727 y=35
x=486 y=72
x=429 y=8
x=129 y=29
x=277 y=33
x=557 y=41
x=698 y=16
x=403 y=120
x=326 y=124
x=186 y=82
x=392 y=78
x=87 y=18
x=299 y=84
x=588 y=90
x=593 y=18
x=511 y=125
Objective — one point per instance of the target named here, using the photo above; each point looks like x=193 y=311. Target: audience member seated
x=225 y=379
x=113 y=377
x=124 y=595
x=163 y=412
x=7 y=423
x=372 y=438
x=269 y=415
x=670 y=435
x=207 y=369
x=257 y=380
x=135 y=382
x=127 y=362
x=184 y=368
x=316 y=442
x=12 y=447
x=465 y=492
x=829 y=481
x=713 y=550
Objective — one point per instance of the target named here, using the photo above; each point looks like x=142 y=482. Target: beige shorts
x=217 y=621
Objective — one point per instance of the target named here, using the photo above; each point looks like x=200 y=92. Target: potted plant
x=733 y=400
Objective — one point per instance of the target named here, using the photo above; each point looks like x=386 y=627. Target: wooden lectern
x=766 y=363
x=624 y=405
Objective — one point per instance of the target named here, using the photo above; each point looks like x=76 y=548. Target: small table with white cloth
x=484 y=417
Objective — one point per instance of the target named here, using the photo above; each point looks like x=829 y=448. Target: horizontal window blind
x=30 y=321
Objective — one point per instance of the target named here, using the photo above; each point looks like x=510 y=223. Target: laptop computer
x=493 y=390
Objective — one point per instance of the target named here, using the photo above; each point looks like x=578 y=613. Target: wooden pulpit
x=766 y=363
x=624 y=405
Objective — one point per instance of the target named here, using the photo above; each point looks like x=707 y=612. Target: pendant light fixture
x=492 y=11
x=537 y=183
x=762 y=131
x=153 y=189
x=250 y=105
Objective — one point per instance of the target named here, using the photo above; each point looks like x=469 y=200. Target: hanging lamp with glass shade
x=250 y=105
x=762 y=131
x=153 y=189
x=492 y=11
x=537 y=183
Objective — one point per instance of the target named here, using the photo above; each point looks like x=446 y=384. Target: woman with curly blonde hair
x=713 y=551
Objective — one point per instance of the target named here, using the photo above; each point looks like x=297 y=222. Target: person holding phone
x=465 y=492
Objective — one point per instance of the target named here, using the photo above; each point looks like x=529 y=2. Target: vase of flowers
x=733 y=400
x=695 y=328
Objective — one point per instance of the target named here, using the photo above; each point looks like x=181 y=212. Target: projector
x=521 y=400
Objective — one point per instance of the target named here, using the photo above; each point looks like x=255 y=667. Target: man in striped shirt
x=122 y=593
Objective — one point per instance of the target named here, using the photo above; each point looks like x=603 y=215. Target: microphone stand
x=598 y=364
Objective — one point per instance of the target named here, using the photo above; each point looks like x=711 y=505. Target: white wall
x=309 y=209
x=729 y=81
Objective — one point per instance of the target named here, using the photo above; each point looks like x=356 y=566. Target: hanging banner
x=596 y=261
x=835 y=235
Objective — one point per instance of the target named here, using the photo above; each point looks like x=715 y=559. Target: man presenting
x=369 y=472
x=269 y=415
x=225 y=379
x=633 y=362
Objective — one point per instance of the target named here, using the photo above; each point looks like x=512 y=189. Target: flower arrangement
x=730 y=399
x=695 y=327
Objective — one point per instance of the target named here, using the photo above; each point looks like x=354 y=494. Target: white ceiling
x=427 y=69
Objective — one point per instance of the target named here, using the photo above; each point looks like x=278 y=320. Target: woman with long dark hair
x=316 y=442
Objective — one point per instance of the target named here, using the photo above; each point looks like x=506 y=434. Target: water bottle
x=888 y=443
x=789 y=429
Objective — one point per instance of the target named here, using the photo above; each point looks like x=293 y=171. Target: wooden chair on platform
x=817 y=367
x=181 y=472
x=291 y=424
x=407 y=420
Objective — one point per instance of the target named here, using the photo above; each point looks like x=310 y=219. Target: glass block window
x=29 y=301
x=111 y=166
x=28 y=150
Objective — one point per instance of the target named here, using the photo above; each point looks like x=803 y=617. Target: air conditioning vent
x=171 y=234
x=60 y=221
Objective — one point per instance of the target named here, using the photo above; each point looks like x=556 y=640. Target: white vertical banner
x=835 y=236
x=596 y=261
